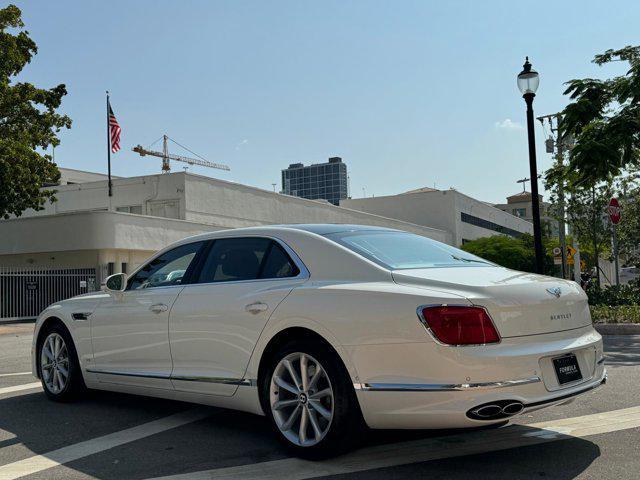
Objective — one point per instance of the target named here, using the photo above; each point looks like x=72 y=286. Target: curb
x=14 y=322
x=617 y=328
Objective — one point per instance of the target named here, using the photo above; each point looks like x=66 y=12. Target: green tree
x=514 y=253
x=604 y=119
x=28 y=123
x=628 y=230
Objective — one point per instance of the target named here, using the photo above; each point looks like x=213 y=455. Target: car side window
x=250 y=258
x=278 y=264
x=167 y=269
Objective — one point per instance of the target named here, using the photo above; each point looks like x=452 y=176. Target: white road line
x=18 y=388
x=429 y=449
x=14 y=374
x=67 y=454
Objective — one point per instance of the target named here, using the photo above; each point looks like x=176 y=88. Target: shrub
x=509 y=252
x=615 y=314
x=616 y=295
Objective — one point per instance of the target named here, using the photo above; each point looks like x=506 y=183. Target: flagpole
x=109 y=148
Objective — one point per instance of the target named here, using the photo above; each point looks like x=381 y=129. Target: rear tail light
x=459 y=325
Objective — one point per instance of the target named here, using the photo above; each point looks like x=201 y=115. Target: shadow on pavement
x=229 y=438
x=622 y=350
x=42 y=425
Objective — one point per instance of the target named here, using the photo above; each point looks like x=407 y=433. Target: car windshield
x=401 y=250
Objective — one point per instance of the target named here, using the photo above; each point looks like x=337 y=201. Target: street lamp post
x=528 y=81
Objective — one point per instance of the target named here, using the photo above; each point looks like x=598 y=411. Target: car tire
x=316 y=419
x=58 y=365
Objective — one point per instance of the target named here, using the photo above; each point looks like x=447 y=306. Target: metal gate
x=27 y=291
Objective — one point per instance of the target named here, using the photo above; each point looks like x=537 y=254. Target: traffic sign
x=570 y=252
x=614 y=210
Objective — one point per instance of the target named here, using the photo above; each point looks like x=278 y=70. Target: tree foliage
x=28 y=123
x=604 y=119
x=515 y=253
x=629 y=227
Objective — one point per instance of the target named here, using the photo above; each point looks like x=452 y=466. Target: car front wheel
x=58 y=363
x=310 y=400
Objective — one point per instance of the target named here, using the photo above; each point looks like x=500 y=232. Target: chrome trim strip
x=592 y=386
x=442 y=387
x=185 y=378
x=130 y=374
x=81 y=315
x=220 y=380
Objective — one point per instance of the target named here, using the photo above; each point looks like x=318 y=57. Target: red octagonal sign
x=614 y=209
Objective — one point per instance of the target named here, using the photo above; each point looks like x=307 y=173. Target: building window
x=111 y=268
x=520 y=212
x=135 y=209
x=124 y=267
x=326 y=181
x=482 y=223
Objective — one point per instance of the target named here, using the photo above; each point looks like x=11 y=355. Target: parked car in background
x=326 y=329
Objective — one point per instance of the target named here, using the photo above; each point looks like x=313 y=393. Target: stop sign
x=613 y=209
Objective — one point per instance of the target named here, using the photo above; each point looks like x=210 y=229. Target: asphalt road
x=115 y=436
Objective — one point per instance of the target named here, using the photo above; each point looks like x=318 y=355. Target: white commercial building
x=86 y=228
x=463 y=217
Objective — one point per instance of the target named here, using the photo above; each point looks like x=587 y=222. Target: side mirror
x=116 y=283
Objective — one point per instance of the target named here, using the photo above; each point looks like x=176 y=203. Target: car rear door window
x=250 y=258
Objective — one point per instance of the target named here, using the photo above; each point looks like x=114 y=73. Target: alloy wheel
x=301 y=399
x=54 y=363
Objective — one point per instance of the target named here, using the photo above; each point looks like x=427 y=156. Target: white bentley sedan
x=325 y=329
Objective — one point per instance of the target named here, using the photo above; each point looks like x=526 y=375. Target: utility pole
x=596 y=253
x=576 y=265
x=559 y=150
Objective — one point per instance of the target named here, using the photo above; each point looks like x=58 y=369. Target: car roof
x=328 y=228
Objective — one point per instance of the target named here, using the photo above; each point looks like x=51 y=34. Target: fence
x=27 y=291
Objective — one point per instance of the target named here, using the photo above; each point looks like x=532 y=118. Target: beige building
x=465 y=218
x=86 y=228
x=520 y=205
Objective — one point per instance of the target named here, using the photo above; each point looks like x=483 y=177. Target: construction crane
x=166 y=156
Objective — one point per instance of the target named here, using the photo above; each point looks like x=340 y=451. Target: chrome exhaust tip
x=513 y=408
x=496 y=410
x=488 y=411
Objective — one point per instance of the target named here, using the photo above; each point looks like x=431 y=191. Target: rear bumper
x=429 y=386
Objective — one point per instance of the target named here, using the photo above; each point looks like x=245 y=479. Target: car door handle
x=256 y=307
x=158 y=308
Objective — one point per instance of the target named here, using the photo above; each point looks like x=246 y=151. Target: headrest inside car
x=240 y=263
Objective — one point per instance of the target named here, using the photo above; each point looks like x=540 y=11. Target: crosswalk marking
x=19 y=388
x=67 y=454
x=428 y=449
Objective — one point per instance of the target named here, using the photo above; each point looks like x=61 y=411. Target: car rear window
x=402 y=250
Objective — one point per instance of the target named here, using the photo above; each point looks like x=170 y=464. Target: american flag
x=114 y=131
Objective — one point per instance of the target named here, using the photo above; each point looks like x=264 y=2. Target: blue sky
x=409 y=93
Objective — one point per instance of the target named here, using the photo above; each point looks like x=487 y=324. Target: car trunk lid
x=519 y=303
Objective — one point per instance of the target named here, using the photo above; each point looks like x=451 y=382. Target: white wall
x=433 y=211
x=70 y=175
x=232 y=205
x=152 y=189
x=210 y=201
x=98 y=230
x=479 y=209
x=440 y=209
